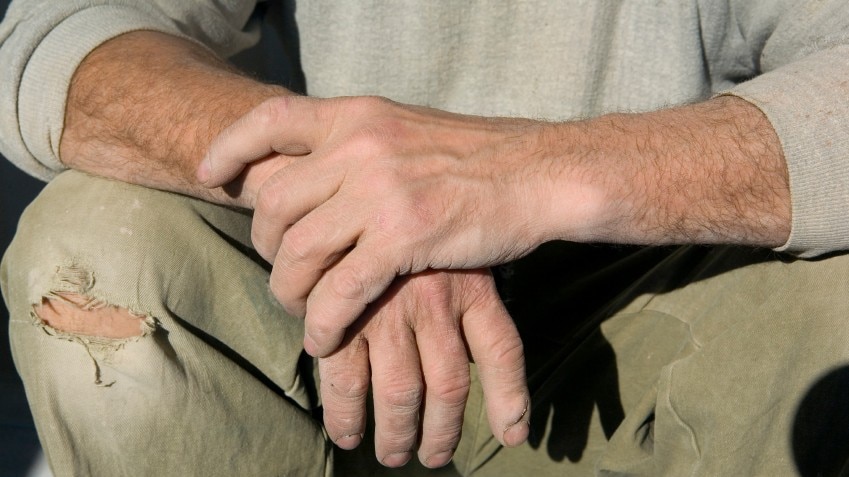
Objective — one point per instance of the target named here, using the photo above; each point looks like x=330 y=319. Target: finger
x=345 y=379
x=497 y=350
x=341 y=295
x=397 y=390
x=290 y=125
x=445 y=365
x=307 y=250
x=287 y=196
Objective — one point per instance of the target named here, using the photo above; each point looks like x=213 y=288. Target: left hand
x=414 y=345
x=385 y=190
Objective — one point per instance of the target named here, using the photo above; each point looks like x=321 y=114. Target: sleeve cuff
x=47 y=75
x=807 y=102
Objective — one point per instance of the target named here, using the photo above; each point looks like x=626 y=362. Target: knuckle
x=435 y=289
x=268 y=200
x=508 y=353
x=368 y=104
x=379 y=130
x=298 y=244
x=479 y=289
x=326 y=334
x=271 y=111
x=348 y=284
x=370 y=144
x=452 y=390
x=404 y=398
x=348 y=388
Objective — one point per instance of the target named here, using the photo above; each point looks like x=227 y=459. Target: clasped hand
x=361 y=191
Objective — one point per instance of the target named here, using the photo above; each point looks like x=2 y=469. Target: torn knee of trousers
x=70 y=311
x=81 y=315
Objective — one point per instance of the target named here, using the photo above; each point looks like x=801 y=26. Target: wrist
x=121 y=124
x=573 y=184
x=711 y=172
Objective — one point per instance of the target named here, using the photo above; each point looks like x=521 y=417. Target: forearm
x=711 y=172
x=144 y=106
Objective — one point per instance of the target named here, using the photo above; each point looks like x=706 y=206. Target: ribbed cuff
x=807 y=103
x=47 y=76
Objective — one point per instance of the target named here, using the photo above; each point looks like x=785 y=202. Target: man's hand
x=155 y=134
x=386 y=190
x=411 y=345
x=490 y=189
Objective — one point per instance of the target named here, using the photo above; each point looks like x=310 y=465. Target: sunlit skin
x=357 y=200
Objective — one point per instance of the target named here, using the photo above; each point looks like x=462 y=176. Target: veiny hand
x=385 y=190
x=411 y=344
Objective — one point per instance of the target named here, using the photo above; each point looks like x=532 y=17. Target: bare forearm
x=144 y=106
x=706 y=173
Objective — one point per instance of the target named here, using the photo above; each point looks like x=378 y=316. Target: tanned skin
x=710 y=172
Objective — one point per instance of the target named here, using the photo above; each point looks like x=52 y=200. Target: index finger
x=290 y=125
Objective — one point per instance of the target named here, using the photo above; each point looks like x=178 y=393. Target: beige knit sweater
x=557 y=60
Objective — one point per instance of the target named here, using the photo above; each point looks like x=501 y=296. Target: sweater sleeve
x=43 y=41
x=801 y=83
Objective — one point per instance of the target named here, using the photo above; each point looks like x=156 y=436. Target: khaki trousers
x=653 y=361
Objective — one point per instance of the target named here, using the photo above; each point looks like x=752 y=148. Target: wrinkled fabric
x=644 y=361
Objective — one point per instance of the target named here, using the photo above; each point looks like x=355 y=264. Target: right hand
x=413 y=347
x=386 y=190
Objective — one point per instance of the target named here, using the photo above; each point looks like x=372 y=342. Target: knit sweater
x=556 y=60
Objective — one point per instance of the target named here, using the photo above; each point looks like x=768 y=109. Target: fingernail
x=516 y=434
x=438 y=460
x=349 y=441
x=203 y=170
x=396 y=460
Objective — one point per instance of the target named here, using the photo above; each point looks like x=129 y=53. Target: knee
x=76 y=314
x=78 y=214
x=91 y=256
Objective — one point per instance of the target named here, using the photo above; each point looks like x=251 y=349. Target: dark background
x=20 y=453
x=19 y=449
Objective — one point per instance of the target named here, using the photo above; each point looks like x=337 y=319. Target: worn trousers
x=641 y=361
